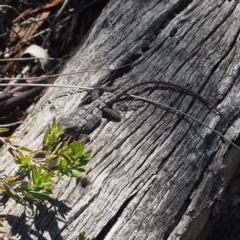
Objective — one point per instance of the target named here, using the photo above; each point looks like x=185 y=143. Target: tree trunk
x=155 y=174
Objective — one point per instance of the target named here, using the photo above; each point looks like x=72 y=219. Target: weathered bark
x=156 y=174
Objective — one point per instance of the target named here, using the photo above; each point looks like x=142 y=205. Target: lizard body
x=89 y=117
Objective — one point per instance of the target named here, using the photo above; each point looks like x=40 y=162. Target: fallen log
x=156 y=174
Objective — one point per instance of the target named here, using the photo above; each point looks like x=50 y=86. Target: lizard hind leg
x=127 y=107
x=114 y=114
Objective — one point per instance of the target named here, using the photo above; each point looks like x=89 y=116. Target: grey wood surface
x=156 y=174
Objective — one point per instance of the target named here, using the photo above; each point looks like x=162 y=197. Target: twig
x=8 y=145
x=71 y=73
x=8 y=6
x=54 y=22
x=20 y=76
x=10 y=124
x=35 y=20
x=19 y=100
x=26 y=59
x=185 y=114
x=44 y=85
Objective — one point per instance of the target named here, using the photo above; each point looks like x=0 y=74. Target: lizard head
x=71 y=128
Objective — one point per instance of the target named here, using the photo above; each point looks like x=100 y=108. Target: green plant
x=55 y=158
x=83 y=237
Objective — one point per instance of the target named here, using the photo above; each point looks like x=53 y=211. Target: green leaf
x=77 y=148
x=3 y=130
x=67 y=159
x=25 y=149
x=63 y=162
x=19 y=185
x=84 y=162
x=52 y=163
x=35 y=175
x=39 y=171
x=82 y=236
x=38 y=195
x=80 y=169
x=24 y=161
x=46 y=184
x=46 y=137
x=75 y=173
x=9 y=179
x=54 y=123
x=46 y=177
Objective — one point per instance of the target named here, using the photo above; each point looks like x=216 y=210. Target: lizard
x=90 y=116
